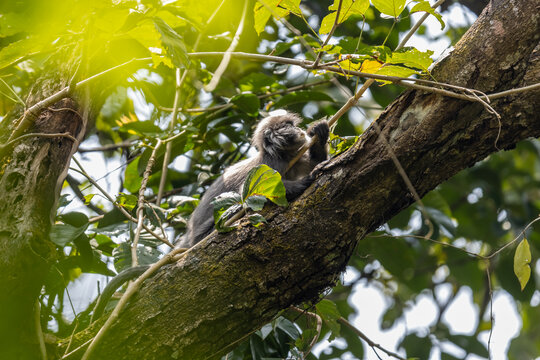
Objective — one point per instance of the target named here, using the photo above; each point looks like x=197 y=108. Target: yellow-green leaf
x=393 y=70
x=412 y=57
x=262 y=11
x=348 y=8
x=389 y=7
x=425 y=6
x=522 y=259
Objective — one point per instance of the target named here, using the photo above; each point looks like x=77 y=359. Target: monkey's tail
x=115 y=283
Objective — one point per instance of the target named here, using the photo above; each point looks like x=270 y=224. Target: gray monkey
x=277 y=139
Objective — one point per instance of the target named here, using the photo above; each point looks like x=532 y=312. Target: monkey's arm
x=318 y=152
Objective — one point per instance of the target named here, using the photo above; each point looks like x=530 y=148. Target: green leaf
x=173 y=43
x=394 y=70
x=330 y=314
x=127 y=201
x=225 y=205
x=265 y=181
x=389 y=7
x=61 y=234
x=88 y=198
x=255 y=202
x=257 y=220
x=522 y=259
x=75 y=218
x=141 y=128
x=249 y=103
x=412 y=57
x=132 y=179
x=426 y=7
x=264 y=9
x=348 y=8
x=301 y=97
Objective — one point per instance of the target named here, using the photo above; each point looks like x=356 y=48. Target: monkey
x=277 y=139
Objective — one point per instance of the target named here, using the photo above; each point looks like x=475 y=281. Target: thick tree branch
x=232 y=284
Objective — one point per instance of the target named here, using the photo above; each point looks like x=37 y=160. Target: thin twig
x=336 y=22
x=39 y=331
x=227 y=57
x=43 y=135
x=168 y=147
x=317 y=330
x=120 y=208
x=140 y=203
x=368 y=340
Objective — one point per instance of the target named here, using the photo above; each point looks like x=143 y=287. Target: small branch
x=125 y=144
x=336 y=22
x=131 y=290
x=120 y=208
x=43 y=135
x=74 y=184
x=417 y=25
x=168 y=149
x=140 y=204
x=31 y=114
x=372 y=344
x=227 y=57
x=39 y=331
x=318 y=328
x=263 y=96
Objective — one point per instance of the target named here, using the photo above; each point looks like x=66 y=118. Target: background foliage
x=478 y=211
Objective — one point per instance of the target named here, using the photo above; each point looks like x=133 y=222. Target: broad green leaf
x=132 y=179
x=265 y=181
x=75 y=218
x=522 y=259
x=173 y=43
x=425 y=6
x=348 y=8
x=412 y=57
x=249 y=103
x=264 y=9
x=329 y=312
x=393 y=70
x=255 y=202
x=88 y=198
x=301 y=97
x=225 y=205
x=339 y=144
x=327 y=23
x=389 y=7
x=257 y=220
x=127 y=201
x=61 y=234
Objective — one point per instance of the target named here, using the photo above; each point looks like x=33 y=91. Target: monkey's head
x=279 y=135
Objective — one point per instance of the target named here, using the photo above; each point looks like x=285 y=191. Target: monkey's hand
x=321 y=129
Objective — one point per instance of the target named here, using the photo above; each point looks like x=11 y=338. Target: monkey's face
x=285 y=138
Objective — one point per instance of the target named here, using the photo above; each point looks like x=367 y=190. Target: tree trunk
x=31 y=175
x=227 y=287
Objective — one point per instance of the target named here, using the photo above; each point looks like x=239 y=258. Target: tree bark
x=230 y=285
x=31 y=174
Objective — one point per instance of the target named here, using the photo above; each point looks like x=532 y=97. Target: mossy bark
x=227 y=287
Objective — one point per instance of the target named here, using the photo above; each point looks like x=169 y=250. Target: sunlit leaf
x=265 y=181
x=425 y=6
x=389 y=7
x=522 y=259
x=264 y=9
x=348 y=8
x=412 y=57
